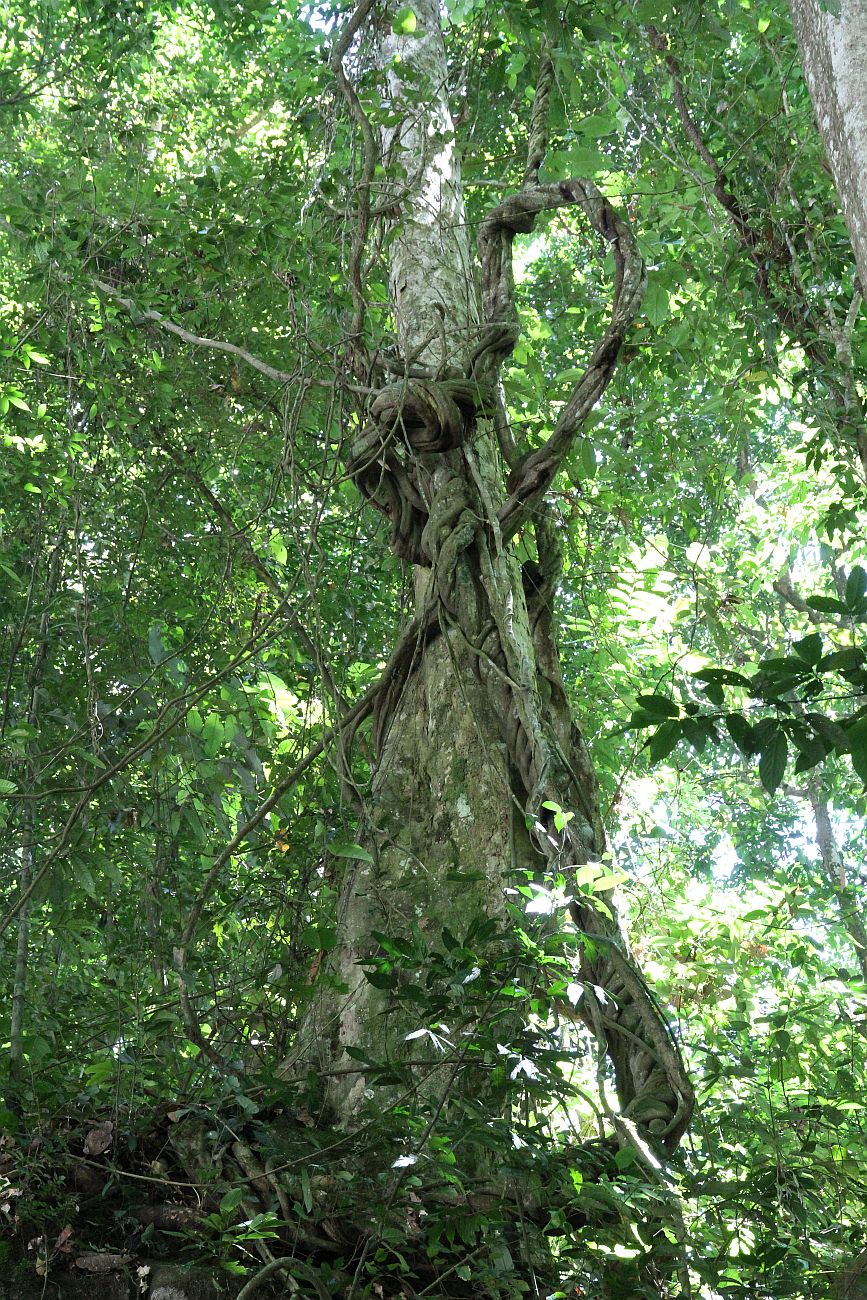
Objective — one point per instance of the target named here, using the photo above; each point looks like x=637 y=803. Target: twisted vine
x=415 y=461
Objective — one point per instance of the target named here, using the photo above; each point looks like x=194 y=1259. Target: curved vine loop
x=517 y=215
x=548 y=752
x=389 y=461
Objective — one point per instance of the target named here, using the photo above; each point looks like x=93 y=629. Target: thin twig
x=151 y=317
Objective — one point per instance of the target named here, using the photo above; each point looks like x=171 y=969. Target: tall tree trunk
x=832 y=39
x=15 y=1087
x=476 y=747
x=835 y=869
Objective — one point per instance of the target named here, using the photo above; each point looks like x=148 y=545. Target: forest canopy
x=433 y=582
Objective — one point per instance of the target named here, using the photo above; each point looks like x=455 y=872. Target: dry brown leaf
x=99 y=1139
x=62 y=1242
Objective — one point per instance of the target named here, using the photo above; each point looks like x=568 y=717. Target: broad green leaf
x=663 y=741
x=306 y=1190
x=827 y=605
x=852 y=657
x=809 y=649
x=404 y=22
x=656 y=303
x=856 y=587
x=660 y=706
x=351 y=850
x=772 y=761
x=231 y=1201
x=610 y=880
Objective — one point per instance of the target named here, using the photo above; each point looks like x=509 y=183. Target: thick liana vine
x=418 y=459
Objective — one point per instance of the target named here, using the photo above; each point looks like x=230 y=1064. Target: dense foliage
x=194 y=594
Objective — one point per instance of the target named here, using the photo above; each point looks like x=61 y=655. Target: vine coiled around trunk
x=415 y=460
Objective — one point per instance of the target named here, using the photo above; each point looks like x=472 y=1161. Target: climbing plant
x=431 y=714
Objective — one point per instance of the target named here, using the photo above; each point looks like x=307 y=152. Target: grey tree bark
x=833 y=44
x=473 y=732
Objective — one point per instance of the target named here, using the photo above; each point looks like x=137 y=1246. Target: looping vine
x=517 y=215
x=429 y=416
x=415 y=461
x=407 y=424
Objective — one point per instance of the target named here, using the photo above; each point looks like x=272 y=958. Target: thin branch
x=835 y=869
x=800 y=321
x=158 y=731
x=369 y=158
x=537 y=136
x=151 y=317
x=234 y=532
x=785 y=588
x=351 y=719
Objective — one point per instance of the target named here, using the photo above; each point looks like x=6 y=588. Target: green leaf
x=857 y=737
x=609 y=880
x=810 y=649
x=350 y=851
x=587 y=457
x=811 y=752
x=306 y=1190
x=625 y=1157
x=725 y=676
x=231 y=1201
x=156 y=647
x=278 y=549
x=715 y=693
x=580 y=161
x=405 y=22
x=772 y=763
x=856 y=587
x=827 y=605
x=664 y=741
x=656 y=303
x=842 y=661
x=659 y=706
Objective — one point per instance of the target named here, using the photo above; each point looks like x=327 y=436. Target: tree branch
x=369 y=157
x=151 y=317
x=801 y=320
x=835 y=869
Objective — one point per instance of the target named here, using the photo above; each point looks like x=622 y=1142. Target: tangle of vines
x=415 y=461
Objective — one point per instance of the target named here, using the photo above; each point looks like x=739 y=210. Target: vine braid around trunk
x=424 y=459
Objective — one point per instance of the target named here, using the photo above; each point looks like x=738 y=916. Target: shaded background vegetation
x=190 y=598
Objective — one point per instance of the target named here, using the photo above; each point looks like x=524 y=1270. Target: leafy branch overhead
x=790 y=686
x=422 y=428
